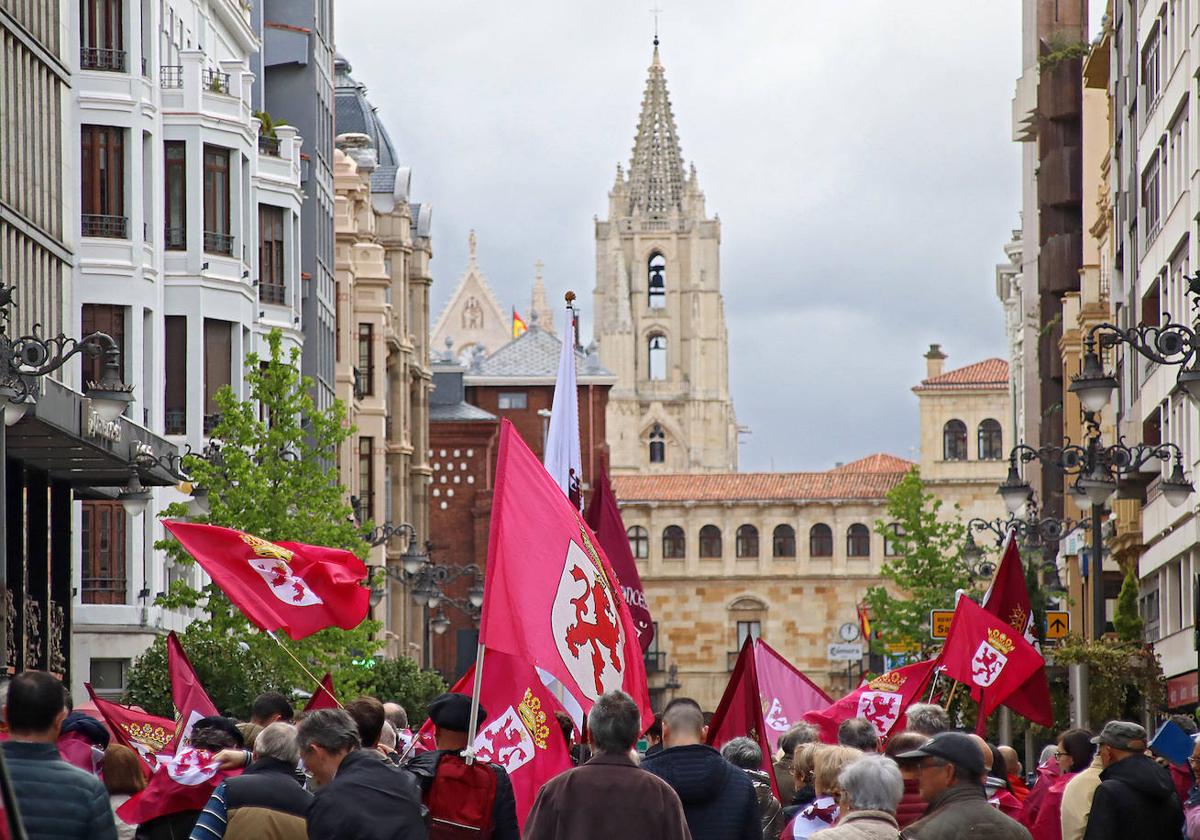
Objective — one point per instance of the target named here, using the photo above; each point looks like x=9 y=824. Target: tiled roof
x=990 y=373
x=880 y=474
x=531 y=355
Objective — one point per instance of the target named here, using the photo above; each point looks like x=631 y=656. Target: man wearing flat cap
x=451 y=717
x=1136 y=797
x=949 y=769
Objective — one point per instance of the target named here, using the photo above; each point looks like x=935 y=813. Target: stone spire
x=656 y=168
x=538 y=307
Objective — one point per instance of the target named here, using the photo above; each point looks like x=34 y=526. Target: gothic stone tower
x=660 y=319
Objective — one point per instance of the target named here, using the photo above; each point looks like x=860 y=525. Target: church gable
x=472 y=317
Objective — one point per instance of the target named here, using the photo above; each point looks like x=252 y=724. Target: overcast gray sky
x=859 y=154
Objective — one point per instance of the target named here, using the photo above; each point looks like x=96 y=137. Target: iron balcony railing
x=175 y=238
x=112 y=227
x=268 y=145
x=216 y=81
x=99 y=58
x=170 y=76
x=271 y=292
x=218 y=243
x=175 y=421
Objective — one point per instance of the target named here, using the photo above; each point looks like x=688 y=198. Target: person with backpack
x=464 y=800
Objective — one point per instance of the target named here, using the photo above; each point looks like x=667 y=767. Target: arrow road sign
x=939 y=623
x=1058 y=624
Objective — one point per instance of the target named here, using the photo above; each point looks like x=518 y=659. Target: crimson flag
x=520 y=732
x=1008 y=599
x=323 y=697
x=182 y=782
x=551 y=597
x=144 y=733
x=191 y=700
x=985 y=654
x=604 y=518
x=882 y=700
x=287 y=586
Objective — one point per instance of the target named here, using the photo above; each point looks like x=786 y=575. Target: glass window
x=658 y=445
x=747 y=541
x=751 y=629
x=710 y=541
x=175 y=154
x=105 y=318
x=366 y=478
x=783 y=541
x=217 y=238
x=656 y=282
x=102 y=35
x=365 y=381
x=674 y=543
x=218 y=367
x=658 y=356
x=102 y=179
x=639 y=542
x=858 y=540
x=102 y=549
x=954 y=441
x=512 y=400
x=175 y=369
x=889 y=547
x=991 y=441
x=271 y=277
x=820 y=540
x=108 y=676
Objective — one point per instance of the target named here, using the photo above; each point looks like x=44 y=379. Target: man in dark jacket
x=56 y=800
x=265 y=801
x=361 y=797
x=950 y=767
x=717 y=797
x=451 y=715
x=800 y=733
x=1136 y=797
x=609 y=796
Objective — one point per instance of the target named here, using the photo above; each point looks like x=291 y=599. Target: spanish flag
x=864 y=622
x=519 y=327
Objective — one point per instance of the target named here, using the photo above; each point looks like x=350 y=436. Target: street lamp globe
x=971 y=550
x=1098 y=486
x=1092 y=385
x=475 y=594
x=1189 y=380
x=435 y=596
x=1015 y=490
x=439 y=624
x=15 y=409
x=199 y=504
x=134 y=498
x=420 y=595
x=412 y=559
x=1176 y=488
x=110 y=395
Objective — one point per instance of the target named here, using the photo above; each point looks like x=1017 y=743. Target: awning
x=1181 y=690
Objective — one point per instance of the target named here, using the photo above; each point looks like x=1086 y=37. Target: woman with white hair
x=870 y=790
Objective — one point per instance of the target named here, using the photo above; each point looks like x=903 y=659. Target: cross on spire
x=656 y=10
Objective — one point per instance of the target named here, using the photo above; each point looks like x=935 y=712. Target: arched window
x=820 y=540
x=658 y=445
x=858 y=540
x=890 y=549
x=710 y=541
x=991 y=441
x=954 y=441
x=783 y=541
x=657 y=346
x=656 y=281
x=747 y=541
x=639 y=542
x=674 y=543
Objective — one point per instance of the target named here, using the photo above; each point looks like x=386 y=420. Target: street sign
x=939 y=623
x=845 y=653
x=1058 y=624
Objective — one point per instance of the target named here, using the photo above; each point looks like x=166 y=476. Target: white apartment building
x=188 y=254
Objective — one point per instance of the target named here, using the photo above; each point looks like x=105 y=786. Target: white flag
x=563 y=459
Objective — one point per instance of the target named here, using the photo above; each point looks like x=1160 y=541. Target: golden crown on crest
x=887 y=682
x=263 y=548
x=148 y=733
x=1000 y=641
x=530 y=710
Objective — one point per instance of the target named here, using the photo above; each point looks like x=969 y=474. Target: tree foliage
x=927 y=567
x=1123 y=677
x=271 y=474
x=1127 y=621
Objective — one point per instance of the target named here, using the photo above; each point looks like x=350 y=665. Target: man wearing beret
x=1136 y=797
x=949 y=772
x=451 y=717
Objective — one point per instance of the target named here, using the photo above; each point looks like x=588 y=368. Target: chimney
x=935 y=361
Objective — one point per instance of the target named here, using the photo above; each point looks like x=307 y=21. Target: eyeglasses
x=1061 y=754
x=925 y=765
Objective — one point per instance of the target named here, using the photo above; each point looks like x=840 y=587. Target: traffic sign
x=939 y=623
x=845 y=653
x=1058 y=624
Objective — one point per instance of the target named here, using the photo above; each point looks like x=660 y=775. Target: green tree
x=272 y=475
x=1127 y=621
x=927 y=567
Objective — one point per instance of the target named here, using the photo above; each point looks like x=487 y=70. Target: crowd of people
x=338 y=773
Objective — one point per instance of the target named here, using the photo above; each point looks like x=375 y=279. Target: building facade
x=659 y=315
x=472 y=321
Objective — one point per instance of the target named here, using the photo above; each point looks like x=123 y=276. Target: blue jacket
x=57 y=801
x=718 y=799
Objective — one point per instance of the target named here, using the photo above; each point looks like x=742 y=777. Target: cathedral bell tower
x=660 y=319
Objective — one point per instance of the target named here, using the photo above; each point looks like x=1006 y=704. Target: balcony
x=99 y=58
x=175 y=421
x=218 y=243
x=215 y=81
x=656 y=661
x=272 y=292
x=268 y=145
x=110 y=227
x=175 y=238
x=170 y=76
x=103 y=590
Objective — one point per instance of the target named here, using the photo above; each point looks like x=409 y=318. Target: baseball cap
x=1123 y=735
x=953 y=747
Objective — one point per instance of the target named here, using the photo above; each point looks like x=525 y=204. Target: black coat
x=717 y=797
x=504 y=811
x=1136 y=798
x=368 y=799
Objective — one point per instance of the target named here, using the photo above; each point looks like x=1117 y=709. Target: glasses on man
x=1194 y=761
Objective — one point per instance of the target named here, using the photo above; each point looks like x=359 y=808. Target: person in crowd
x=654 y=742
x=56 y=799
x=123 y=777
x=387 y=743
x=1016 y=776
x=397 y=716
x=911 y=806
x=1077 y=797
x=871 y=789
x=1181 y=774
x=1047 y=773
x=368 y=716
x=265 y=801
x=996 y=782
x=213 y=734
x=951 y=766
x=451 y=716
x=926 y=719
x=801 y=733
x=83 y=741
x=718 y=799
x=360 y=796
x=802 y=778
x=1191 y=806
x=1136 y=797
x=822 y=812
x=609 y=796
x=267 y=708
x=860 y=734
x=746 y=754
x=1043 y=815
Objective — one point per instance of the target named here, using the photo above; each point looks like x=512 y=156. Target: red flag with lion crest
x=881 y=700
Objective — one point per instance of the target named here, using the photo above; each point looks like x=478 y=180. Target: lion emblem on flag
x=190 y=766
x=990 y=658
x=775 y=717
x=272 y=564
x=586 y=622
x=511 y=739
x=881 y=708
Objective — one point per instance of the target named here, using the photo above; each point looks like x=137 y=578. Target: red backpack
x=461 y=800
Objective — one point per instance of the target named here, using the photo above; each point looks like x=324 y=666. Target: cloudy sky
x=858 y=153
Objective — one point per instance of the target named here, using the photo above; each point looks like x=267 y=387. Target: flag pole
x=473 y=722
x=320 y=685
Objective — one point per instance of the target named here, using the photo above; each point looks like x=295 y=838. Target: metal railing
x=175 y=238
x=215 y=81
x=170 y=76
x=103 y=590
x=218 y=243
x=113 y=227
x=99 y=58
x=272 y=292
x=268 y=145
x=175 y=421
